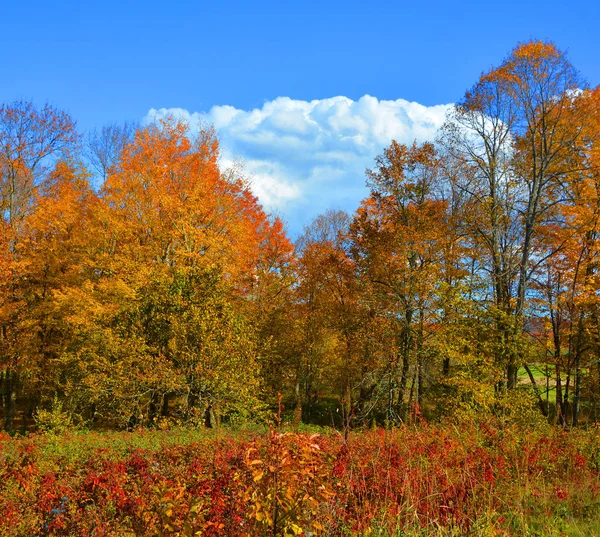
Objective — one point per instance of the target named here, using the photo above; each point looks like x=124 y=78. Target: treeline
x=466 y=283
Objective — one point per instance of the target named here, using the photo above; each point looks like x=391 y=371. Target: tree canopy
x=140 y=283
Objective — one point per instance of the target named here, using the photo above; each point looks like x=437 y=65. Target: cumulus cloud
x=303 y=157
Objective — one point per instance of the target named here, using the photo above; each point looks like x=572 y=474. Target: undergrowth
x=482 y=480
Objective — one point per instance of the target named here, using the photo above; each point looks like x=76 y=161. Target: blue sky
x=110 y=61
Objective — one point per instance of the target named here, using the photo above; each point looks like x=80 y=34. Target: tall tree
x=398 y=236
x=30 y=142
x=103 y=147
x=192 y=245
x=512 y=141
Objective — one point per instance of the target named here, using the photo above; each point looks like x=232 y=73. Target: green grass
x=538 y=371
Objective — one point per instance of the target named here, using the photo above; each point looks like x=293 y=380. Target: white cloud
x=305 y=157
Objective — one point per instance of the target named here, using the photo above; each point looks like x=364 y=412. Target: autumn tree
x=191 y=245
x=568 y=282
x=511 y=139
x=103 y=147
x=333 y=358
x=398 y=236
x=31 y=140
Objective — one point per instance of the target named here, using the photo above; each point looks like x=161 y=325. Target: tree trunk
x=9 y=398
x=511 y=375
x=543 y=406
x=164 y=407
x=577 y=399
x=578 y=351
x=298 y=409
x=560 y=418
x=208 y=417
